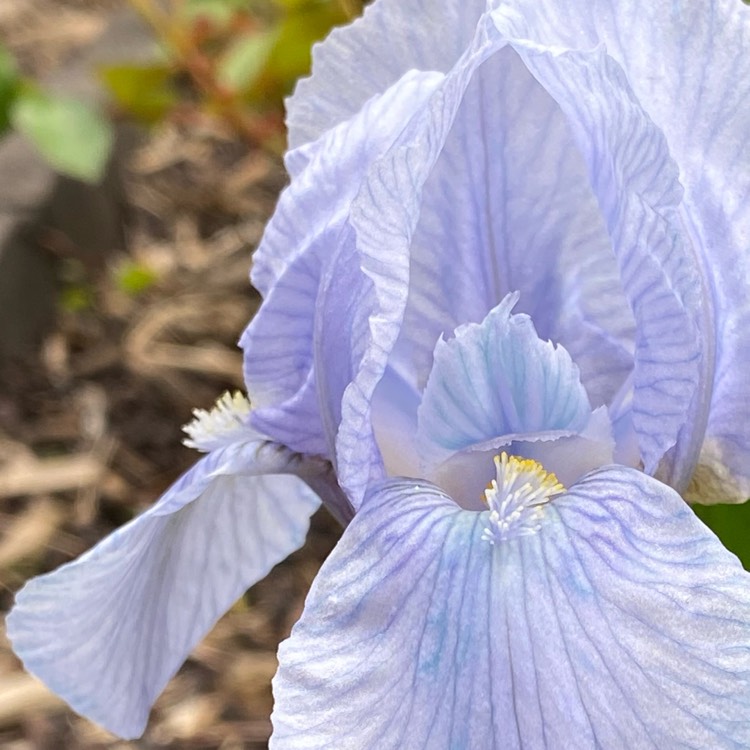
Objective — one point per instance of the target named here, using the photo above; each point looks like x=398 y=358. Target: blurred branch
x=181 y=42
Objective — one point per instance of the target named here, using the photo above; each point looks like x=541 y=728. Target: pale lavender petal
x=329 y=172
x=527 y=221
x=621 y=623
x=494 y=379
x=366 y=57
x=689 y=64
x=420 y=237
x=108 y=630
x=298 y=247
x=394 y=414
x=635 y=182
x=383 y=218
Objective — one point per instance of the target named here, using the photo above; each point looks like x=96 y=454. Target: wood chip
x=42 y=476
x=22 y=695
x=30 y=532
x=189 y=718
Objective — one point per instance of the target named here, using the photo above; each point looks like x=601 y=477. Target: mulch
x=90 y=425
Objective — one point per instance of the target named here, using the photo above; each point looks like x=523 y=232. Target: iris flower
x=504 y=338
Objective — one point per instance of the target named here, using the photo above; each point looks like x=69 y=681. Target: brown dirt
x=90 y=427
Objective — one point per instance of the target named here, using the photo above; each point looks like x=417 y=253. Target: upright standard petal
x=688 y=63
x=508 y=206
x=383 y=219
x=108 y=630
x=297 y=250
x=617 y=620
x=366 y=57
x=636 y=184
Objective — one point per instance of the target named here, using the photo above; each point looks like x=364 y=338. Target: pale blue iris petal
x=714 y=155
x=688 y=63
x=366 y=57
x=713 y=150
x=495 y=379
x=508 y=206
x=635 y=181
x=329 y=172
x=279 y=361
x=394 y=415
x=288 y=267
x=108 y=630
x=343 y=345
x=383 y=218
x=599 y=631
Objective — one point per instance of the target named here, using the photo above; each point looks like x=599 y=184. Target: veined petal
x=688 y=63
x=495 y=379
x=529 y=222
x=383 y=217
x=366 y=57
x=315 y=204
x=635 y=182
x=108 y=630
x=298 y=246
x=508 y=206
x=620 y=622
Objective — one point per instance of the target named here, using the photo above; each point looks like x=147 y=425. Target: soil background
x=90 y=421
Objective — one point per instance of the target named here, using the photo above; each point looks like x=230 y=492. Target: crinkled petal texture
x=688 y=62
x=650 y=98
x=498 y=180
x=352 y=57
x=497 y=384
x=297 y=250
x=621 y=623
x=108 y=630
x=498 y=379
x=442 y=239
x=635 y=182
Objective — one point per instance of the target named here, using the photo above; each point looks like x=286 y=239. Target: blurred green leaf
x=74 y=138
x=350 y=9
x=731 y=523
x=218 y=11
x=296 y=5
x=9 y=84
x=143 y=91
x=134 y=278
x=291 y=56
x=76 y=297
x=245 y=59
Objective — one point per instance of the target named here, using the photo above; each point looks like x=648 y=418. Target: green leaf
x=218 y=11
x=291 y=56
x=299 y=4
x=74 y=138
x=9 y=85
x=134 y=278
x=76 y=298
x=143 y=91
x=731 y=523
x=245 y=59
